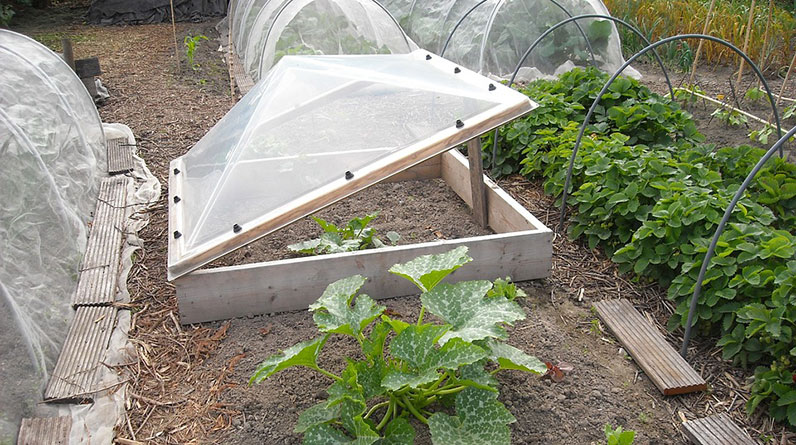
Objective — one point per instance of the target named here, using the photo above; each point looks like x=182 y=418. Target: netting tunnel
x=263 y=31
x=51 y=151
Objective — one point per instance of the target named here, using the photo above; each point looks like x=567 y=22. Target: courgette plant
x=412 y=370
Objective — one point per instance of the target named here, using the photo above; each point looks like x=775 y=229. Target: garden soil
x=189 y=384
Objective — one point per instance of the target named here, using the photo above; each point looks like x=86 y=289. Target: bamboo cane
x=174 y=31
x=787 y=75
x=765 y=38
x=701 y=41
x=746 y=40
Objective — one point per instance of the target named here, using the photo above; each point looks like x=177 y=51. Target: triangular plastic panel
x=318 y=129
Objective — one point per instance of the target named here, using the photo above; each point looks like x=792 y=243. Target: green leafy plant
x=191 y=43
x=355 y=235
x=503 y=287
x=790 y=111
x=730 y=117
x=646 y=190
x=755 y=94
x=6 y=14
x=411 y=370
x=618 y=436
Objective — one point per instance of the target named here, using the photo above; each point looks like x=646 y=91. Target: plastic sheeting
x=264 y=31
x=113 y=12
x=493 y=37
x=289 y=141
x=51 y=151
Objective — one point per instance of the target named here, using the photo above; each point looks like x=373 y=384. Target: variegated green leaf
x=303 y=354
x=509 y=357
x=334 y=313
x=428 y=270
x=315 y=415
x=398 y=432
x=480 y=419
x=347 y=388
x=325 y=434
x=415 y=345
x=395 y=379
x=474 y=316
x=373 y=347
x=369 y=377
x=307 y=247
x=397 y=325
x=475 y=372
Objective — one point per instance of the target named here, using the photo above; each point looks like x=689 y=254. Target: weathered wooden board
x=276 y=286
x=239 y=74
x=120 y=156
x=74 y=374
x=100 y=268
x=89 y=67
x=522 y=249
x=477 y=187
x=662 y=364
x=718 y=429
x=503 y=212
x=45 y=431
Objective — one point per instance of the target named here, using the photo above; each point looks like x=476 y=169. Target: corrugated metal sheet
x=85 y=345
x=100 y=268
x=45 y=431
x=718 y=429
x=660 y=362
x=120 y=156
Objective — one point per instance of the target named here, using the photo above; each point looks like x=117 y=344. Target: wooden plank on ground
x=100 y=268
x=718 y=429
x=75 y=372
x=662 y=364
x=242 y=79
x=45 y=431
x=276 y=286
x=120 y=156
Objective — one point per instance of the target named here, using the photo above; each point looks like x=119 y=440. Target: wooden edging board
x=521 y=249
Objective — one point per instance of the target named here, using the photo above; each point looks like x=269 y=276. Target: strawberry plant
x=410 y=370
x=627 y=107
x=355 y=235
x=651 y=195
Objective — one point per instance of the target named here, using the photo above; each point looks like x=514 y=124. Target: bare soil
x=189 y=383
x=419 y=211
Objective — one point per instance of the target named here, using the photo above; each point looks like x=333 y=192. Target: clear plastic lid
x=317 y=129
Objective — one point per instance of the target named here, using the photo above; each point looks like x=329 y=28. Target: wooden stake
x=477 y=187
x=174 y=31
x=765 y=38
x=746 y=41
x=69 y=54
x=787 y=75
x=701 y=41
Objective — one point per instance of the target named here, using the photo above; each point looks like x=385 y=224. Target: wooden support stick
x=69 y=54
x=787 y=75
x=763 y=49
x=746 y=41
x=701 y=41
x=174 y=31
x=477 y=181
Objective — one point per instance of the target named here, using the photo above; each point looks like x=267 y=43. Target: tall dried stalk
x=701 y=41
x=746 y=40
